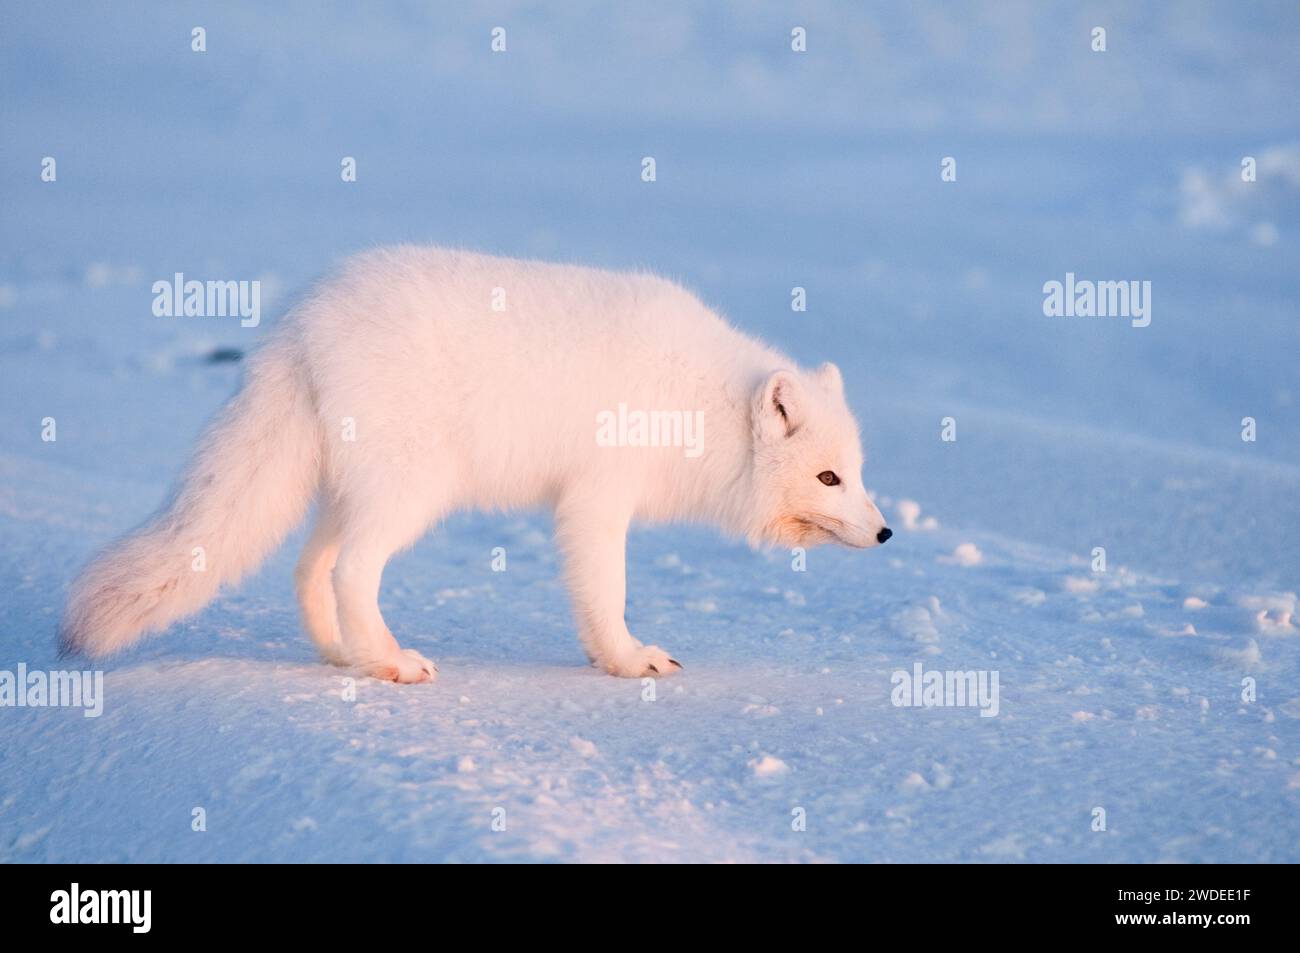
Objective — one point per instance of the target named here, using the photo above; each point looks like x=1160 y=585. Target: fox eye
x=828 y=477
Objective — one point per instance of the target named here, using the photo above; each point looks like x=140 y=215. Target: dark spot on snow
x=225 y=355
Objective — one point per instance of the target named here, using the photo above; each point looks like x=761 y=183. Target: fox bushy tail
x=252 y=476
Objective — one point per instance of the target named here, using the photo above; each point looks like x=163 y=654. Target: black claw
x=653 y=669
x=677 y=663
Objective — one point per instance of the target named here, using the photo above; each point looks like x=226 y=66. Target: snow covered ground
x=1120 y=690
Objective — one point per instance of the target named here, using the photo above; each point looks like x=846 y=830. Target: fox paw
x=406 y=666
x=640 y=662
x=332 y=653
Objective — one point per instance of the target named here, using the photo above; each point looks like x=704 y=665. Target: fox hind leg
x=314 y=583
x=369 y=536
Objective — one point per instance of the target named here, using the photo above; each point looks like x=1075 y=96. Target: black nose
x=884 y=534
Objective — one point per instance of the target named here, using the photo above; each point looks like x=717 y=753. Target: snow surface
x=1119 y=689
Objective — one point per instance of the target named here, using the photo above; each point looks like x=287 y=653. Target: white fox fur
x=453 y=405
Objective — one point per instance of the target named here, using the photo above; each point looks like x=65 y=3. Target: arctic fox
x=419 y=381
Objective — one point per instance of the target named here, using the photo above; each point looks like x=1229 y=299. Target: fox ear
x=778 y=408
x=829 y=375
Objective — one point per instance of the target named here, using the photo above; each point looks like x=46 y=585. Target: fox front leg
x=593 y=538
